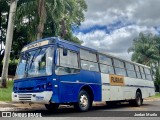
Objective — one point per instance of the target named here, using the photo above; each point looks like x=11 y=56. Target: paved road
x=149 y=108
x=119 y=110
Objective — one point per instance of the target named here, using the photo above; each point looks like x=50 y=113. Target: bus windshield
x=35 y=63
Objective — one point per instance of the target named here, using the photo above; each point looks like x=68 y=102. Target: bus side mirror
x=65 y=51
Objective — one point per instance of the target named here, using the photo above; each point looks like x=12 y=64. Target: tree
x=61 y=17
x=59 y=21
x=3 y=25
x=42 y=18
x=157 y=46
x=146 y=50
x=13 y=5
x=58 y=17
x=143 y=49
x=157 y=80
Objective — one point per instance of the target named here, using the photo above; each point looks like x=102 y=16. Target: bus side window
x=148 y=74
x=106 y=64
x=87 y=65
x=89 y=60
x=130 y=70
x=138 y=72
x=105 y=60
x=142 y=72
x=106 y=69
x=119 y=67
x=68 y=63
x=87 y=55
x=84 y=65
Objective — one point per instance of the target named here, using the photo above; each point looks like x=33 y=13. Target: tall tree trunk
x=159 y=62
x=63 y=28
x=42 y=18
x=0 y=33
x=8 y=45
x=0 y=26
x=159 y=74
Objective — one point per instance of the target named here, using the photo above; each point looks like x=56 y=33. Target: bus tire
x=138 y=100
x=52 y=106
x=84 y=102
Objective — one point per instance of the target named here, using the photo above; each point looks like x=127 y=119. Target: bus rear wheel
x=138 y=100
x=84 y=102
x=52 y=106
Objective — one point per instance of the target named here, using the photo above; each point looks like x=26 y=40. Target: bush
x=12 y=67
x=157 y=81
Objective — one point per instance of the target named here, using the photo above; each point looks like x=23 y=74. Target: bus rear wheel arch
x=85 y=99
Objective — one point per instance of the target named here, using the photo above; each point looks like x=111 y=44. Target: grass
x=5 y=93
x=156 y=96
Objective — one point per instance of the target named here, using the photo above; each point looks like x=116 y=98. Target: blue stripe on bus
x=138 y=86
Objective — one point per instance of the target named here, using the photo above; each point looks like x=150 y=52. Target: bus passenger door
x=67 y=71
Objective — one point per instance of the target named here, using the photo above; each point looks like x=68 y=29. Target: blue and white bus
x=52 y=72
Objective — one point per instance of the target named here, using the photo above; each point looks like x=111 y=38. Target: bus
x=52 y=71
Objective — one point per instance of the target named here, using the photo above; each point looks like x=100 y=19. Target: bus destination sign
x=116 y=80
x=38 y=44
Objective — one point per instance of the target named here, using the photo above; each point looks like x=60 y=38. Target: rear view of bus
x=52 y=71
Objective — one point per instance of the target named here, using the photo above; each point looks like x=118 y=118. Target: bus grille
x=25 y=97
x=24 y=89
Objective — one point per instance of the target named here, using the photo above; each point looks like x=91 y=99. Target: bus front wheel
x=84 y=102
x=52 y=106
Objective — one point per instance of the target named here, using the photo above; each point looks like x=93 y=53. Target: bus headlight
x=44 y=86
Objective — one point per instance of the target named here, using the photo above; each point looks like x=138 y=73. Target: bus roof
x=101 y=52
x=113 y=56
x=61 y=41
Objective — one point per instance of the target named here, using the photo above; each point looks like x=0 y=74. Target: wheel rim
x=83 y=101
x=138 y=99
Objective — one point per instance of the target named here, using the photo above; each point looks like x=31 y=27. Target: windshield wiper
x=26 y=56
x=36 y=53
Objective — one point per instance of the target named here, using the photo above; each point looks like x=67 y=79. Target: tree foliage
x=146 y=50
x=61 y=17
x=4 y=9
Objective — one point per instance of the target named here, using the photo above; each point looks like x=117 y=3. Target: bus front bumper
x=40 y=97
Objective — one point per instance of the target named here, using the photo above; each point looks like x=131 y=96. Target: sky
x=111 y=25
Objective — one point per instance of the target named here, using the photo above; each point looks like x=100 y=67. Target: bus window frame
x=41 y=47
x=97 y=59
x=58 y=61
x=119 y=67
x=100 y=63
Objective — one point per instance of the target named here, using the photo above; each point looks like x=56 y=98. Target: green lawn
x=156 y=96
x=5 y=93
